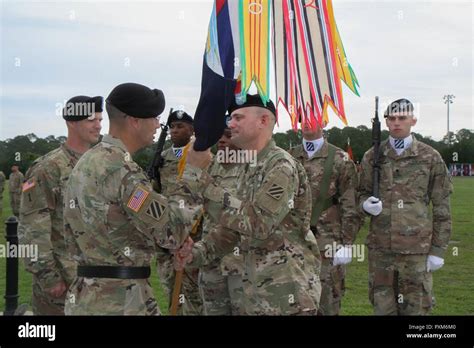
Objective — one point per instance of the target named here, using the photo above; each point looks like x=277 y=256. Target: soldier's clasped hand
x=183 y=255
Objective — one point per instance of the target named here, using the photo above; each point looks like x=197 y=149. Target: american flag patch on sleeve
x=137 y=199
x=28 y=185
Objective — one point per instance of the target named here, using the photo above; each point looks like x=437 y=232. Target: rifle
x=153 y=170
x=376 y=144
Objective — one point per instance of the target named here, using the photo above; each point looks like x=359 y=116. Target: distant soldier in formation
x=114 y=219
x=2 y=187
x=42 y=204
x=220 y=282
x=335 y=219
x=267 y=219
x=181 y=130
x=406 y=240
x=15 y=182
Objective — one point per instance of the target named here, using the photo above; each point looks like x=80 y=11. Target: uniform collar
x=178 y=151
x=266 y=149
x=70 y=152
x=108 y=139
x=315 y=145
x=300 y=152
x=389 y=151
x=400 y=144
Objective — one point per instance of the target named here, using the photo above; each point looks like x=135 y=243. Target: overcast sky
x=51 y=51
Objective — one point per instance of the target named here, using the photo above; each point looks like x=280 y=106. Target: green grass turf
x=453 y=283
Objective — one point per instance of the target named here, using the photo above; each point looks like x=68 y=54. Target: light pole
x=448 y=99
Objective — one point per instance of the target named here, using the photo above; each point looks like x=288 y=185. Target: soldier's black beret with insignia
x=137 y=100
x=179 y=115
x=253 y=100
x=81 y=107
x=401 y=107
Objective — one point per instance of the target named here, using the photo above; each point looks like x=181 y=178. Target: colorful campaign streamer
x=309 y=61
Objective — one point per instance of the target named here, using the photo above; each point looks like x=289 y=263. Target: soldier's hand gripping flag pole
x=178 y=279
x=376 y=144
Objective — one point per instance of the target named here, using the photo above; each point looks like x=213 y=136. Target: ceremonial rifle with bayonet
x=153 y=169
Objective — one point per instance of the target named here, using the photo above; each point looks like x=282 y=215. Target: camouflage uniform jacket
x=408 y=183
x=225 y=176
x=41 y=219
x=169 y=171
x=269 y=216
x=340 y=222
x=117 y=218
x=14 y=182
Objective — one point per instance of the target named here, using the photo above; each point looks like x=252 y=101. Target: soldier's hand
x=58 y=290
x=343 y=256
x=372 y=206
x=183 y=255
x=434 y=263
x=200 y=159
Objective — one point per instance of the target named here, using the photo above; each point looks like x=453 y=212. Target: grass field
x=453 y=284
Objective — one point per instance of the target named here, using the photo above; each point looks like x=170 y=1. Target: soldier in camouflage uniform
x=406 y=241
x=41 y=213
x=181 y=130
x=15 y=180
x=267 y=219
x=335 y=219
x=113 y=218
x=220 y=282
x=2 y=187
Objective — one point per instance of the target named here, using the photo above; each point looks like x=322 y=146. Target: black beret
x=137 y=100
x=81 y=107
x=253 y=100
x=179 y=115
x=400 y=106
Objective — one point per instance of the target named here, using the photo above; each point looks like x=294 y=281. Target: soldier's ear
x=133 y=122
x=413 y=121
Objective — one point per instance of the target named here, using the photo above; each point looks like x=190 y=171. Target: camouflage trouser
x=105 y=296
x=1 y=205
x=399 y=284
x=190 y=302
x=15 y=203
x=333 y=288
x=221 y=294
x=44 y=304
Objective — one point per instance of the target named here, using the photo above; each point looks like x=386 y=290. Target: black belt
x=120 y=272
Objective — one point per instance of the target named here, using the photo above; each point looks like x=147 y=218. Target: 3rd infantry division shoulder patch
x=156 y=210
x=276 y=191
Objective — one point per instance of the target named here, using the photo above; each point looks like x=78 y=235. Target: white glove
x=434 y=263
x=372 y=206
x=343 y=256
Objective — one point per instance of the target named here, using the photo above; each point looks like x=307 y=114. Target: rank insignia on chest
x=137 y=199
x=275 y=191
x=28 y=185
x=155 y=210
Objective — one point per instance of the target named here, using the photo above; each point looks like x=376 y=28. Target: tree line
x=457 y=148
